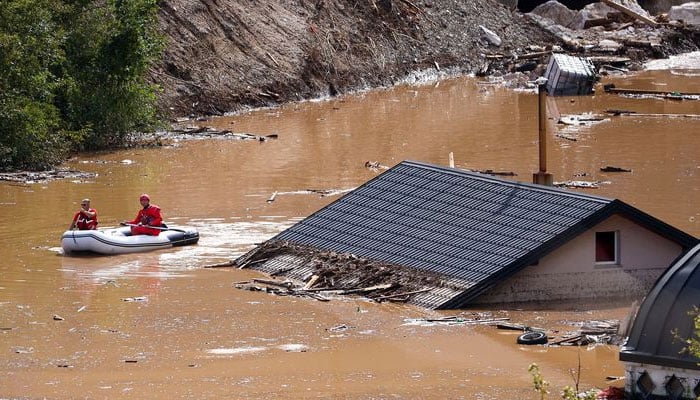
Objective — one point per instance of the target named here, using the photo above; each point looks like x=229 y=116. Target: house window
x=606 y=247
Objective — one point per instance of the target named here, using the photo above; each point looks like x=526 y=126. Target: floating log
x=492 y=172
x=614 y=169
x=567 y=137
x=222 y=265
x=636 y=114
x=285 y=284
x=613 y=89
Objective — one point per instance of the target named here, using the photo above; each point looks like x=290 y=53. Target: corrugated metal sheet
x=467 y=226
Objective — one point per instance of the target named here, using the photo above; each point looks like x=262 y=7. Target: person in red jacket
x=86 y=218
x=147 y=220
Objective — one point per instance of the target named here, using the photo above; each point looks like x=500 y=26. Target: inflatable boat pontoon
x=120 y=240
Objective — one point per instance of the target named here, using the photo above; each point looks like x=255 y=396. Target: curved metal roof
x=665 y=317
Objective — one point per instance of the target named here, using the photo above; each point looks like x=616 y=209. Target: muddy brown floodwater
x=160 y=326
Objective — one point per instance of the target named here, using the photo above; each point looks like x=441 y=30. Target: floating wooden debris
x=567 y=137
x=580 y=119
x=614 y=169
x=492 y=172
x=33 y=177
x=320 y=192
x=338 y=328
x=221 y=265
x=208 y=132
x=329 y=192
x=644 y=93
x=580 y=184
x=23 y=350
x=591 y=332
x=280 y=288
x=600 y=327
x=582 y=340
x=456 y=320
x=341 y=273
x=135 y=299
x=375 y=165
x=625 y=113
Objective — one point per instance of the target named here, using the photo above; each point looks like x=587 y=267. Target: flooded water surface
x=160 y=326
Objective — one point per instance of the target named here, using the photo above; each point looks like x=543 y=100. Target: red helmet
x=144 y=196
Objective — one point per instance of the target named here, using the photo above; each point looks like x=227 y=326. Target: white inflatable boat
x=121 y=241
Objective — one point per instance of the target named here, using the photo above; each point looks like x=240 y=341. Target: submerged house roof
x=469 y=227
x=665 y=318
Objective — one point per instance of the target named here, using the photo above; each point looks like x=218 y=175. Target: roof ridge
x=526 y=185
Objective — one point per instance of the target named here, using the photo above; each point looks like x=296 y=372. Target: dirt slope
x=223 y=55
x=226 y=55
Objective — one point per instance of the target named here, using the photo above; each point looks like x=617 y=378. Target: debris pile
x=330 y=273
x=590 y=333
x=27 y=177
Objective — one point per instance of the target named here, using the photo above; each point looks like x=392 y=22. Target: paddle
x=153 y=227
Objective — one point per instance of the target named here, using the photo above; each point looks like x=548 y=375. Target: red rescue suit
x=84 y=222
x=148 y=216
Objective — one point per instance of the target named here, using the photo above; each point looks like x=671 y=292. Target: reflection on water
x=160 y=324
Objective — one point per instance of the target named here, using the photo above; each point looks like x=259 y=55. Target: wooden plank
x=311 y=282
x=285 y=284
x=369 y=288
x=222 y=265
x=631 y=13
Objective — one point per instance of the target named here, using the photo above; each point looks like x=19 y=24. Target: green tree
x=108 y=54
x=73 y=77
x=31 y=134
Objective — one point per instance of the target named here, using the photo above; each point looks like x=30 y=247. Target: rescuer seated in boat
x=148 y=221
x=86 y=218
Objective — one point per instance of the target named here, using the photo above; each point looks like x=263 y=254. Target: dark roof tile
x=467 y=226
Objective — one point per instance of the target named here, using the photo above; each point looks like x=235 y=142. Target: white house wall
x=570 y=272
x=660 y=376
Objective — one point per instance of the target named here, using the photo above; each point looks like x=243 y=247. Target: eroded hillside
x=225 y=55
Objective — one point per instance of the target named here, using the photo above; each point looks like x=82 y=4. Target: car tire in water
x=533 y=337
